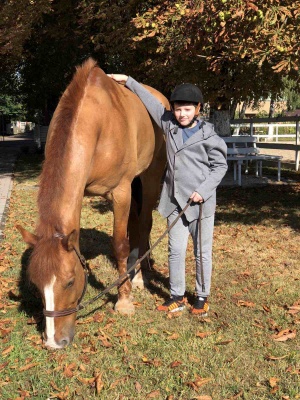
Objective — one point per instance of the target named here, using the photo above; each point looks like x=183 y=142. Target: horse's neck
x=61 y=191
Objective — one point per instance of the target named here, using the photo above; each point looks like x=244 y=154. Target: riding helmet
x=187 y=92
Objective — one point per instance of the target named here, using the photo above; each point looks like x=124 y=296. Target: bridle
x=69 y=311
x=126 y=275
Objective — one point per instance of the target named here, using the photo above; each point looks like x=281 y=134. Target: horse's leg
x=121 y=204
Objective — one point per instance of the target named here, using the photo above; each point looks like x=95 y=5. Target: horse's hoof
x=137 y=283
x=125 y=307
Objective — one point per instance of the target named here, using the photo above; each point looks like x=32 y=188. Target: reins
x=126 y=275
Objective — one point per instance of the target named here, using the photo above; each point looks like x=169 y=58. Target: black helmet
x=187 y=92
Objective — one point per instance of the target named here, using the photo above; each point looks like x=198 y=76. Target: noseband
x=70 y=311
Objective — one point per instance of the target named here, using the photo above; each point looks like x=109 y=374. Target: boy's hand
x=120 y=78
x=195 y=196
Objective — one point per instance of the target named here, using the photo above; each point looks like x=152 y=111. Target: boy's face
x=184 y=113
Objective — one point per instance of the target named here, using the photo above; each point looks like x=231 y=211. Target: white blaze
x=49 y=305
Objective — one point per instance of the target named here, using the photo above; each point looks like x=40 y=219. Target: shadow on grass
x=252 y=206
x=94 y=243
x=28 y=166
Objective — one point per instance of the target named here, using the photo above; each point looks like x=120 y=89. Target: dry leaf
x=203 y=335
x=152 y=331
x=86 y=381
x=122 y=333
x=28 y=366
x=173 y=337
x=198 y=382
x=245 y=303
x=68 y=371
x=99 y=383
x=267 y=309
x=294 y=310
x=284 y=335
x=273 y=382
x=273 y=358
x=175 y=364
x=138 y=386
x=155 y=362
x=153 y=395
x=98 y=317
x=118 y=381
x=8 y=350
x=224 y=342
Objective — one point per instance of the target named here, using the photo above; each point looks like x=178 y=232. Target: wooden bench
x=242 y=149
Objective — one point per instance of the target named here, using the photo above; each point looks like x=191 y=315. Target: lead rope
x=127 y=274
x=200 y=247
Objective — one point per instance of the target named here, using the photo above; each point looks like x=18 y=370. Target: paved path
x=10 y=147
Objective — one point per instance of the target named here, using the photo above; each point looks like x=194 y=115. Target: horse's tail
x=137 y=193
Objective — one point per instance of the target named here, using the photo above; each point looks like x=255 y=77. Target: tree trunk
x=221 y=121
x=272 y=108
x=233 y=108
x=243 y=110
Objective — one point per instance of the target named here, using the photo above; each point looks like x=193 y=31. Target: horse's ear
x=28 y=237
x=70 y=240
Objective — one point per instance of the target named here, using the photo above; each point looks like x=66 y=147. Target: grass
x=248 y=347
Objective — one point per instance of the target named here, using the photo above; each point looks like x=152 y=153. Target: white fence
x=270 y=130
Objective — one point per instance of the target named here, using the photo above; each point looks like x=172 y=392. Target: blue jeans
x=178 y=240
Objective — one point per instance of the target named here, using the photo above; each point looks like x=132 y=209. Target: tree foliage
x=234 y=50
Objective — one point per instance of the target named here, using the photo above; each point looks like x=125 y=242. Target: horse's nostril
x=64 y=342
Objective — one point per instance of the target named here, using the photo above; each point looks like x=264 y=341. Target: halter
x=70 y=311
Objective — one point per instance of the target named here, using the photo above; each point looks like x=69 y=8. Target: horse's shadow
x=92 y=244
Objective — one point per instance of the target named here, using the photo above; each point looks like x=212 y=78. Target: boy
x=196 y=165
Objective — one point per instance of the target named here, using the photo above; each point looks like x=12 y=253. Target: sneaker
x=200 y=307
x=174 y=304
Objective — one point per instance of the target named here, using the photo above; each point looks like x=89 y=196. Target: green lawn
x=248 y=347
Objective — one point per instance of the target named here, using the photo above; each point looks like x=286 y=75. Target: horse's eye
x=70 y=283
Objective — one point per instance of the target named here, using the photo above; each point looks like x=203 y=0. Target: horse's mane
x=51 y=179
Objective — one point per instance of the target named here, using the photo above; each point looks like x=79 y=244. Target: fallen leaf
x=98 y=317
x=8 y=350
x=122 y=333
x=245 y=303
x=86 y=381
x=294 y=310
x=198 y=382
x=273 y=382
x=68 y=371
x=273 y=358
x=28 y=366
x=224 y=342
x=4 y=365
x=138 y=386
x=267 y=309
x=152 y=331
x=118 y=381
x=175 y=364
x=284 y=335
x=153 y=395
x=99 y=383
x=203 y=335
x=173 y=337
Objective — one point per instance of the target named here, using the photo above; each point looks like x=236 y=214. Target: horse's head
x=56 y=269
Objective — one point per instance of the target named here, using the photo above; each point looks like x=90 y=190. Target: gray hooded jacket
x=198 y=165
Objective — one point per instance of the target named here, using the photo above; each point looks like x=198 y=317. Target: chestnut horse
x=100 y=138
